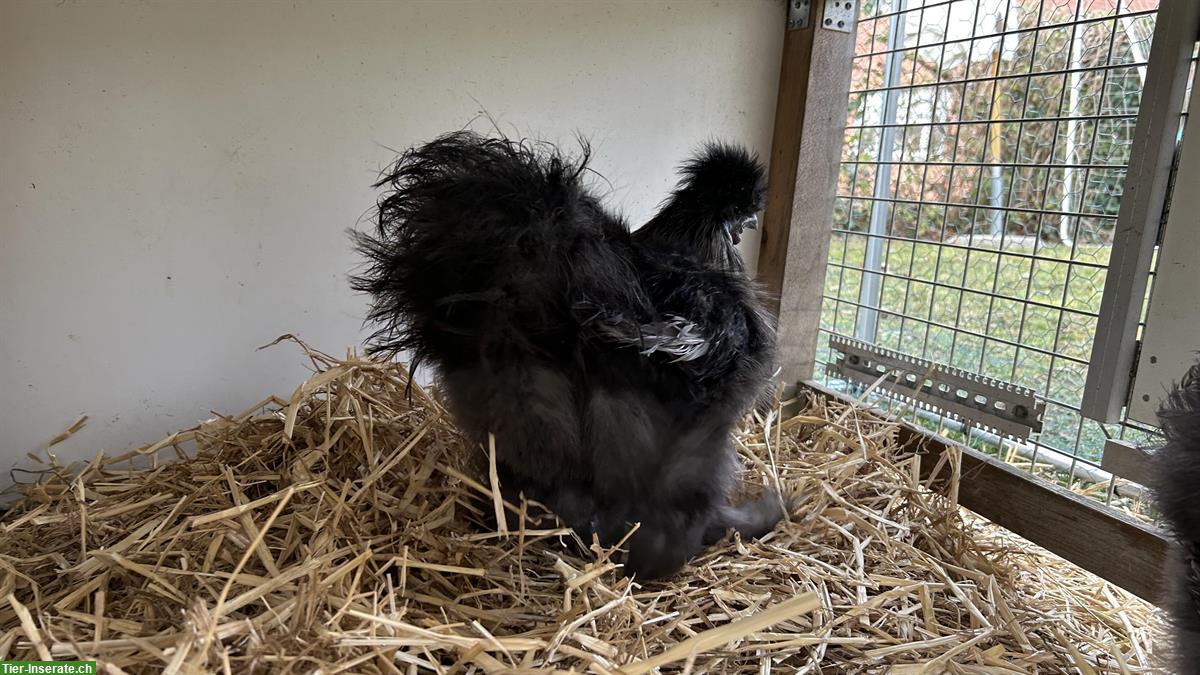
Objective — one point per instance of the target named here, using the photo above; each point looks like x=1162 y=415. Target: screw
x=849 y=6
x=841 y=24
x=853 y=360
x=1153 y=359
x=1146 y=397
x=828 y=22
x=1020 y=411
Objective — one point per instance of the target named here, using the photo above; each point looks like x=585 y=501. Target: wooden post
x=810 y=118
x=1145 y=193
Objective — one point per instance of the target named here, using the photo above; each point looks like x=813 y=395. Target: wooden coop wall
x=179 y=176
x=822 y=87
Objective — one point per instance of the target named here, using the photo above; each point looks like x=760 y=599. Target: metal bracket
x=1000 y=407
x=839 y=15
x=799 y=14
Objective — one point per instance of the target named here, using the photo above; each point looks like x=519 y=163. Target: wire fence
x=987 y=143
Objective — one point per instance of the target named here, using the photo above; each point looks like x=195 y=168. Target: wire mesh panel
x=987 y=143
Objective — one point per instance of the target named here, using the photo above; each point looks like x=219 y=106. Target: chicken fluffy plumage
x=610 y=366
x=1177 y=495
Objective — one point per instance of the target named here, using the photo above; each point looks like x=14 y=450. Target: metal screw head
x=853 y=360
x=1020 y=412
x=841 y=24
x=828 y=22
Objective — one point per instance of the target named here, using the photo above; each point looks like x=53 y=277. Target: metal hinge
x=1001 y=407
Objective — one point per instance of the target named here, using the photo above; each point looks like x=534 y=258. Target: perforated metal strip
x=1000 y=407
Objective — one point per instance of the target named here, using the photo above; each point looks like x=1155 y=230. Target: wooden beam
x=1145 y=192
x=1127 y=461
x=1103 y=541
x=810 y=118
x=1168 y=347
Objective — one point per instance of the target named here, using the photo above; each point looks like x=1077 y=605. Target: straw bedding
x=343 y=531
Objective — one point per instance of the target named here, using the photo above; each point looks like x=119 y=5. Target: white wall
x=176 y=177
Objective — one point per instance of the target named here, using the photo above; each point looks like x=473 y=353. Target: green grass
x=1028 y=335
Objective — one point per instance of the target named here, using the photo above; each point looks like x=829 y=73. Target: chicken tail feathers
x=1177 y=490
x=477 y=246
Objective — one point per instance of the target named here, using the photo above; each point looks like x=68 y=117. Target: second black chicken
x=611 y=367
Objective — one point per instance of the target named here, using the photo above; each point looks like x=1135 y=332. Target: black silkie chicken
x=1177 y=494
x=610 y=366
